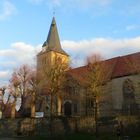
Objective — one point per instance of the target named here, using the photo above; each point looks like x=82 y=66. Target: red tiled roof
x=115 y=67
x=127 y=65
x=79 y=74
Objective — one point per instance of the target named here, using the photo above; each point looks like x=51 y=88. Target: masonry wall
x=41 y=126
x=63 y=125
x=111 y=99
x=117 y=93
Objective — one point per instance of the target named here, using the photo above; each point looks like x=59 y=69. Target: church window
x=68 y=89
x=129 y=106
x=71 y=90
x=75 y=90
x=90 y=103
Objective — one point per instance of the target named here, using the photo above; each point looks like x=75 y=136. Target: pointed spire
x=53 y=42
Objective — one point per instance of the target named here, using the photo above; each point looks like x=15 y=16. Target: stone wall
x=117 y=92
x=63 y=125
x=41 y=126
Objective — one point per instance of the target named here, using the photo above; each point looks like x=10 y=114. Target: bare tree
x=54 y=78
x=2 y=105
x=14 y=92
x=51 y=82
x=97 y=74
x=9 y=100
x=23 y=85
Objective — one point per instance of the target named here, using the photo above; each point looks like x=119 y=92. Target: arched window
x=129 y=106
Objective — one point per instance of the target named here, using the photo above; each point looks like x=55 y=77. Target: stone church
x=120 y=91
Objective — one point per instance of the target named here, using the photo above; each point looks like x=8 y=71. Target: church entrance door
x=67 y=109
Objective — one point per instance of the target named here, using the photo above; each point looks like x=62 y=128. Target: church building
x=120 y=88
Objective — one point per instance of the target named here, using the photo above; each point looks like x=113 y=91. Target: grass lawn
x=75 y=137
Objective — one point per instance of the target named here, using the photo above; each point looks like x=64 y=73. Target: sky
x=108 y=27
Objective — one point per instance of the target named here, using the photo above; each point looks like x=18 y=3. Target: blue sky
x=109 y=27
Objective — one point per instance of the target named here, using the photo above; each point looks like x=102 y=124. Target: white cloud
x=4 y=74
x=107 y=47
x=8 y=9
x=21 y=53
x=18 y=54
x=4 y=77
x=7 y=63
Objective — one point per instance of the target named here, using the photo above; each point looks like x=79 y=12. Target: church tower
x=51 y=49
x=46 y=59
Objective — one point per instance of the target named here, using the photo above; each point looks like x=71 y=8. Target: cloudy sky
x=109 y=27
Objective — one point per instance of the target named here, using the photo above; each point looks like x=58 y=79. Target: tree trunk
x=58 y=106
x=13 y=111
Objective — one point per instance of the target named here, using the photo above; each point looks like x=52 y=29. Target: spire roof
x=53 y=42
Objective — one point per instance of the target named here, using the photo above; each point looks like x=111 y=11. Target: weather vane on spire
x=53 y=11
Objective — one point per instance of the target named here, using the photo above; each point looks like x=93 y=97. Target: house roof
x=127 y=65
x=113 y=68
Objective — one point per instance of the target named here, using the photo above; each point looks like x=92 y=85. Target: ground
x=71 y=137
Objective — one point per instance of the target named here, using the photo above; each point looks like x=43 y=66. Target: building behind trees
x=119 y=84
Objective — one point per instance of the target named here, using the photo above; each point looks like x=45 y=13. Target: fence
x=62 y=125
